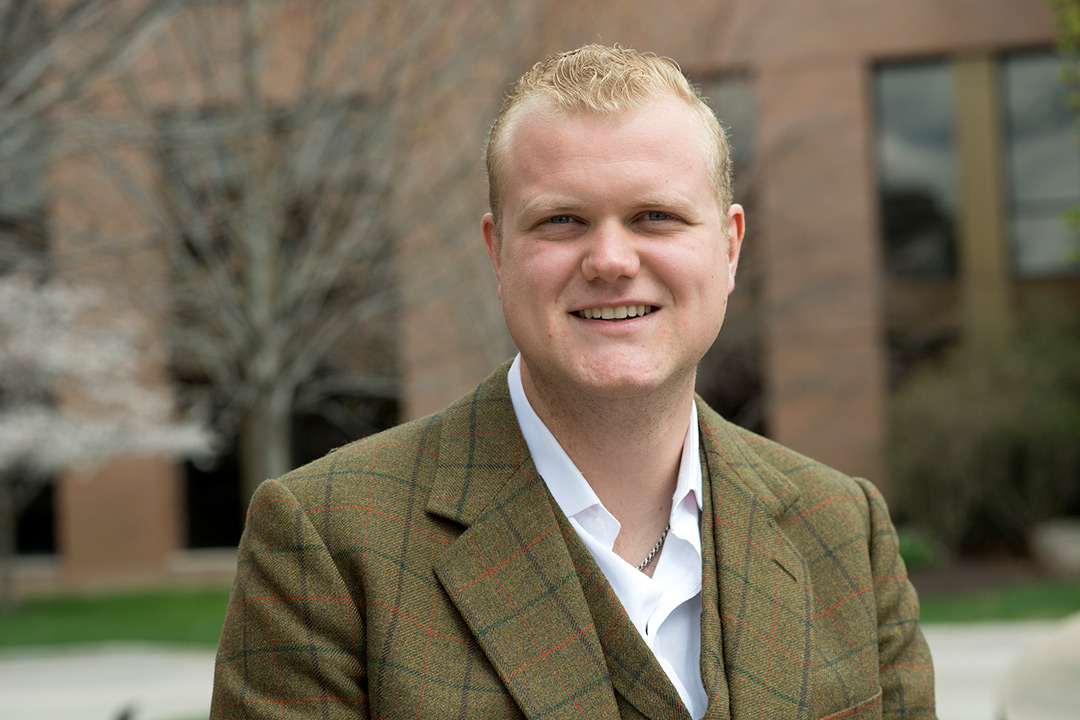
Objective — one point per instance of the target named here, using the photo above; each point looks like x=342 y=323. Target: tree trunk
x=265 y=441
x=8 y=530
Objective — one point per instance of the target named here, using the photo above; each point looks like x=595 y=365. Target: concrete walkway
x=102 y=682
x=155 y=683
x=1045 y=685
x=972 y=664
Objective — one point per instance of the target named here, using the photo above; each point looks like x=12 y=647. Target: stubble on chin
x=583 y=399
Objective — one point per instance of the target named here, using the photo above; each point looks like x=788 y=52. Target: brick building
x=905 y=168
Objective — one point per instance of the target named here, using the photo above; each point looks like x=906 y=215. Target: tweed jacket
x=426 y=572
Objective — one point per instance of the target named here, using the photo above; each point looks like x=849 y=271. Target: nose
x=610 y=254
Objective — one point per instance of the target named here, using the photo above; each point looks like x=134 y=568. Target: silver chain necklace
x=655 y=549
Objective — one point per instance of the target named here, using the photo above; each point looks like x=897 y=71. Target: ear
x=736 y=228
x=491 y=242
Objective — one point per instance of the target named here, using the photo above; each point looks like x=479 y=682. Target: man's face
x=614 y=269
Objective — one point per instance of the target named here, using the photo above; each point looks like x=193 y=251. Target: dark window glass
x=731 y=98
x=730 y=375
x=916 y=162
x=1043 y=164
x=212 y=499
x=36 y=527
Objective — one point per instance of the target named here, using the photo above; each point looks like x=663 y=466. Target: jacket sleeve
x=906 y=670
x=293 y=640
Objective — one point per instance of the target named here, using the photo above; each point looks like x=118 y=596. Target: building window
x=731 y=98
x=1043 y=164
x=916 y=162
x=730 y=376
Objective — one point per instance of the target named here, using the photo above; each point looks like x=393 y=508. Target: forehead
x=543 y=116
x=661 y=143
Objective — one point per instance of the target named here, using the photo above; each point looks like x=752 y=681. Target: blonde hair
x=605 y=81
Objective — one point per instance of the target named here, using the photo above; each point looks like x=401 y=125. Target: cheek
x=544 y=275
x=522 y=289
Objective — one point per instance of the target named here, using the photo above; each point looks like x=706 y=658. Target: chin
x=629 y=383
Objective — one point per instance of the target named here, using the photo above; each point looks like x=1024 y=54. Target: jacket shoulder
x=400 y=457
x=403 y=463
x=776 y=464
x=798 y=468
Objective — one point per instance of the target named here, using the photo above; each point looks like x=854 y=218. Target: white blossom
x=77 y=383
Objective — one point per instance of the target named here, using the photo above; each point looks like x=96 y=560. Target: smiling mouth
x=619 y=312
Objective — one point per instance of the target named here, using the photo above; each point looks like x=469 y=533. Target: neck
x=628 y=449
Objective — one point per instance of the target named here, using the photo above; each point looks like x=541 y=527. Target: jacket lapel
x=635 y=673
x=762 y=583
x=510 y=574
x=713 y=676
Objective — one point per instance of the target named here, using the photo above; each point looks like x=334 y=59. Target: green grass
x=194 y=617
x=1042 y=600
x=191 y=617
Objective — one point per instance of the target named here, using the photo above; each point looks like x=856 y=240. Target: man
x=580 y=536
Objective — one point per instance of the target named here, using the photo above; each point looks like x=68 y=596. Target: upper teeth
x=615 y=313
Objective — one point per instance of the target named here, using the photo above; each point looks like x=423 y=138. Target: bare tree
x=76 y=388
x=279 y=128
x=50 y=52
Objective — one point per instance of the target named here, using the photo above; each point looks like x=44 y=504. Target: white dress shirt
x=666 y=608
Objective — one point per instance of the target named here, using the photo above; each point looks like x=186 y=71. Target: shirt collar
x=567 y=485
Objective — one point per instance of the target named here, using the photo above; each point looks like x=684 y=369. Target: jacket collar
x=480 y=450
x=481 y=447
x=537 y=613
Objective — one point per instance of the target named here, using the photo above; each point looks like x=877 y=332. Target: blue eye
x=560 y=219
x=657 y=215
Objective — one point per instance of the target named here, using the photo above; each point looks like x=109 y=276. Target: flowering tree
x=77 y=388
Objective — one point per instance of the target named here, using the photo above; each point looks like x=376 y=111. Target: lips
x=615 y=312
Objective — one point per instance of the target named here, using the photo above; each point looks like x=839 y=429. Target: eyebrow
x=544 y=205
x=559 y=206
x=675 y=202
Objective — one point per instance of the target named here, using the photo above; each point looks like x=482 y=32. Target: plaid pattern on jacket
x=426 y=572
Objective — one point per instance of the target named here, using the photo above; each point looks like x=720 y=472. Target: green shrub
x=918 y=548
x=986 y=441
